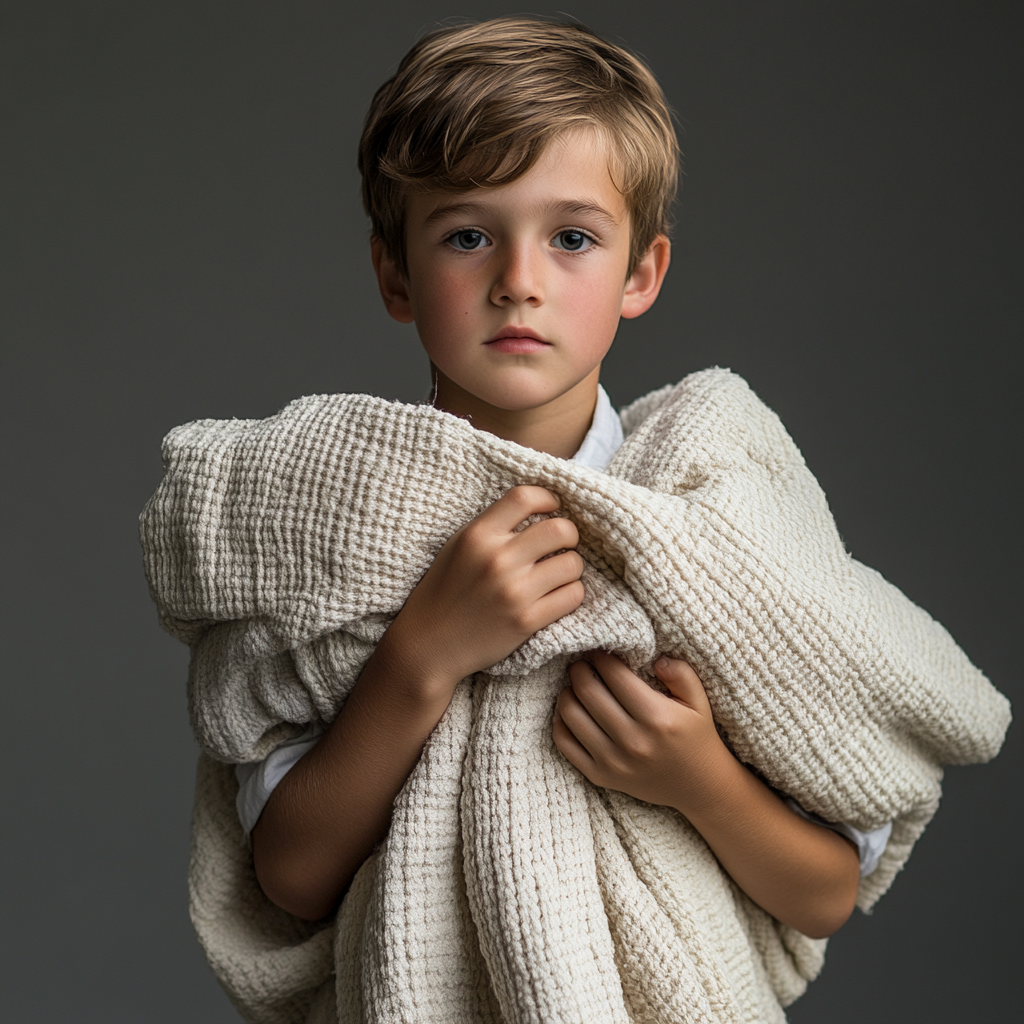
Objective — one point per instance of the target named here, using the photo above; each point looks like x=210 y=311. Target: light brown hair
x=475 y=105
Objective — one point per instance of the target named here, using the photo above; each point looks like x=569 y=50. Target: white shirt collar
x=604 y=438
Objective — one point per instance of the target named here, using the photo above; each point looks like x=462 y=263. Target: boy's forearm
x=334 y=805
x=804 y=875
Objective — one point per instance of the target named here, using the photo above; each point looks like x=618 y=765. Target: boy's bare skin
x=516 y=293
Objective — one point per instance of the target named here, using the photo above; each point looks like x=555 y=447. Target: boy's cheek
x=441 y=316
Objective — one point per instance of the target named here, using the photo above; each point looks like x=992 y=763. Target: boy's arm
x=623 y=735
x=327 y=813
x=488 y=590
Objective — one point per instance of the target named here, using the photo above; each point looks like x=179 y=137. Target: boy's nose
x=519 y=281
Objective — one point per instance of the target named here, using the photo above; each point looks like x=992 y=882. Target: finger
x=635 y=696
x=600 y=703
x=581 y=724
x=571 y=749
x=683 y=683
x=561 y=601
x=546 y=537
x=518 y=504
x=555 y=572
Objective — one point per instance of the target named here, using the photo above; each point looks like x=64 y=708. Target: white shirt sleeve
x=258 y=779
x=870 y=845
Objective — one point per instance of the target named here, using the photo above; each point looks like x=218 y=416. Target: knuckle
x=525 y=622
x=567 y=532
x=530 y=495
x=663 y=725
x=471 y=536
x=637 y=746
x=558 y=606
x=508 y=593
x=662 y=721
x=522 y=495
x=573 y=596
x=496 y=565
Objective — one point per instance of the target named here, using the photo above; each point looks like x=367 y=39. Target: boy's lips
x=517 y=341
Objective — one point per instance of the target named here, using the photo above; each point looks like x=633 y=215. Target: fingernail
x=661 y=663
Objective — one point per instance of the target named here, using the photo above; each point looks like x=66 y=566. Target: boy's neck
x=558 y=427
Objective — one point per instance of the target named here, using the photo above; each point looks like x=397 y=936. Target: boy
x=518 y=176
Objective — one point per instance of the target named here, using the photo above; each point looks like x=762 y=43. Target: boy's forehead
x=572 y=176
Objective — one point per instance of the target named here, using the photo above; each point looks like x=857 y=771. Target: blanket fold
x=509 y=889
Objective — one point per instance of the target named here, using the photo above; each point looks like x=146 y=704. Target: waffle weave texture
x=509 y=889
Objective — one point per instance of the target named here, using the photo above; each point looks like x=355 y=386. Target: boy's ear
x=645 y=282
x=394 y=289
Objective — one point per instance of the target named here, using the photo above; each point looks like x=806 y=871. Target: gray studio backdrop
x=184 y=239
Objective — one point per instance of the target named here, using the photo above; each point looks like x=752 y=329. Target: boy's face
x=517 y=291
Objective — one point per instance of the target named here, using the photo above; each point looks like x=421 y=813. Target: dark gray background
x=184 y=239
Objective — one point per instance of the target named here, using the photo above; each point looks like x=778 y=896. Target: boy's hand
x=624 y=735
x=489 y=589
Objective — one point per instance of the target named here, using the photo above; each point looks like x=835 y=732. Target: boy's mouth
x=517 y=341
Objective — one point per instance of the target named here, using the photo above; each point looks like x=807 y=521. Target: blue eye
x=468 y=240
x=572 y=241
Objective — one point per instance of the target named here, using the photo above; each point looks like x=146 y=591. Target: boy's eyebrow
x=447 y=209
x=567 y=207
x=593 y=209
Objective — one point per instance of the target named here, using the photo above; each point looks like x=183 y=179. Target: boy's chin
x=524 y=400
x=523 y=392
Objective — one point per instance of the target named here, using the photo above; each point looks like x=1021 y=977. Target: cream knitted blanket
x=509 y=889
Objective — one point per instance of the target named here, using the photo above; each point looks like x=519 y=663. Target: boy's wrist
x=410 y=669
x=709 y=784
